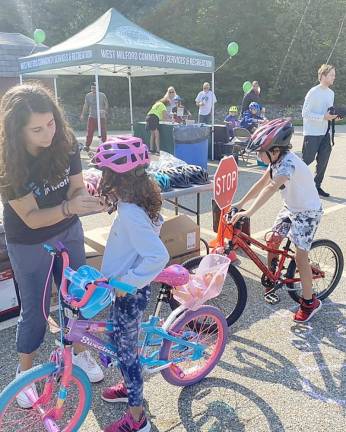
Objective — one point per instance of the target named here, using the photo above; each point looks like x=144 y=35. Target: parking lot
x=275 y=375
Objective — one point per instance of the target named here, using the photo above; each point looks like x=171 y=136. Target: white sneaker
x=22 y=399
x=86 y=362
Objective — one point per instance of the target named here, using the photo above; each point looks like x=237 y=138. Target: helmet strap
x=269 y=157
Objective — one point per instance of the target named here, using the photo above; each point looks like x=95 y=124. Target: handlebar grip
x=130 y=289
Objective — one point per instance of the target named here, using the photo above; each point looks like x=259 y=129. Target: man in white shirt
x=204 y=101
x=315 y=124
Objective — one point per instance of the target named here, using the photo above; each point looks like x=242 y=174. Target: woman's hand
x=85 y=204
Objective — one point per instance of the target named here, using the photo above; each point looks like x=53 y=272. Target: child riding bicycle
x=134 y=255
x=302 y=210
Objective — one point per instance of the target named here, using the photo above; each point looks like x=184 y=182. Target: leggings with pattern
x=127 y=314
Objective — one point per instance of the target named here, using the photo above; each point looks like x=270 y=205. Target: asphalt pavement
x=275 y=375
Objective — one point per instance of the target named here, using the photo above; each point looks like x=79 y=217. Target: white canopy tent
x=115 y=46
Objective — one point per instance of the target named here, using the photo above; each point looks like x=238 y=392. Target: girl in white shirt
x=135 y=255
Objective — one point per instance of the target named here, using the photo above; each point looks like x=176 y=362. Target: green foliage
x=263 y=29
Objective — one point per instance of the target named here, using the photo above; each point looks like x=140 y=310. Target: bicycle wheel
x=326 y=256
x=205 y=247
x=207 y=326
x=76 y=407
x=233 y=297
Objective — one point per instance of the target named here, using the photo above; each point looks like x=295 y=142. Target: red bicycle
x=326 y=258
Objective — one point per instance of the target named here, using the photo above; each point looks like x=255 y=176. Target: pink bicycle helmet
x=121 y=154
x=276 y=133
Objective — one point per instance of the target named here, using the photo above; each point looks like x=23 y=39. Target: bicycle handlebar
x=231 y=213
x=90 y=286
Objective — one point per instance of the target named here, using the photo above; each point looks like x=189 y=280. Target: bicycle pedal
x=271 y=298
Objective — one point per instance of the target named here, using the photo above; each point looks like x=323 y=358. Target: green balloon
x=39 y=36
x=247 y=86
x=233 y=49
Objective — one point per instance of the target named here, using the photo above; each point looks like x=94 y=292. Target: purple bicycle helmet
x=121 y=154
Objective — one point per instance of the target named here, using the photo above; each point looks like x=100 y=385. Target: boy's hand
x=329 y=117
x=237 y=216
x=120 y=293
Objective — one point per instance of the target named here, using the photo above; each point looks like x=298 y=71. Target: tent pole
x=55 y=90
x=212 y=116
x=98 y=103
x=20 y=79
x=130 y=97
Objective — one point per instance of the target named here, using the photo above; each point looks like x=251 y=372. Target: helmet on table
x=121 y=154
x=163 y=181
x=276 y=133
x=91 y=188
x=177 y=177
x=196 y=174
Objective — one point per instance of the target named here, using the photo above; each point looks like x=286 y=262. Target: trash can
x=191 y=144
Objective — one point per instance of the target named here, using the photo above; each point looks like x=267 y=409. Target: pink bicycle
x=184 y=348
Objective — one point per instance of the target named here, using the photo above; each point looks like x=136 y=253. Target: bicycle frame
x=244 y=241
x=82 y=332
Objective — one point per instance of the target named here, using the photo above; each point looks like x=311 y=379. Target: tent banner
x=114 y=56
x=155 y=58
x=72 y=58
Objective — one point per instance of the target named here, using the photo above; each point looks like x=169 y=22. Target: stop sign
x=225 y=182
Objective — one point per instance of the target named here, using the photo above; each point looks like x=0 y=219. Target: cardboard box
x=181 y=236
x=93 y=257
x=97 y=238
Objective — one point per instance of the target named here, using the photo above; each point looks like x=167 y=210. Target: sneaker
x=322 y=193
x=307 y=311
x=128 y=424
x=88 y=364
x=116 y=393
x=22 y=399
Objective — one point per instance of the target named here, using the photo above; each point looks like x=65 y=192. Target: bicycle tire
x=339 y=267
x=239 y=293
x=206 y=245
x=173 y=373
x=8 y=395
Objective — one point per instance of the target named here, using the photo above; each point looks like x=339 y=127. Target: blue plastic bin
x=191 y=144
x=194 y=154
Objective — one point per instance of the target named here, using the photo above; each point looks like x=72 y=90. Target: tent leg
x=20 y=79
x=130 y=97
x=212 y=116
x=55 y=90
x=98 y=104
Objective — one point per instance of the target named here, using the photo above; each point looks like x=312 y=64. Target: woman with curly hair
x=43 y=194
x=135 y=255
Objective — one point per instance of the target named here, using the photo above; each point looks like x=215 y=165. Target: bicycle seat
x=174 y=275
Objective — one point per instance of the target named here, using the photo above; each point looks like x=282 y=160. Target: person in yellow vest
x=157 y=113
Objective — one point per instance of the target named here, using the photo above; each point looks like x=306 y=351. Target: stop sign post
x=225 y=182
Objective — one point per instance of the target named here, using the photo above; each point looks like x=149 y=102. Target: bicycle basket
x=205 y=284
x=101 y=297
